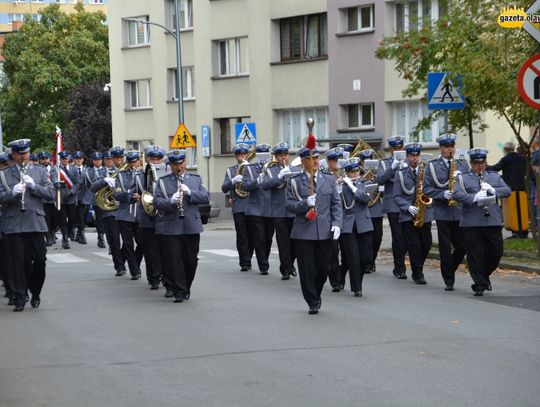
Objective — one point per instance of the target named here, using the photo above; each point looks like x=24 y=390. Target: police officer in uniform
x=258 y=211
x=178 y=224
x=357 y=227
x=23 y=187
x=275 y=180
x=481 y=219
x=386 y=175
x=126 y=215
x=313 y=238
x=244 y=245
x=447 y=214
x=92 y=175
x=417 y=239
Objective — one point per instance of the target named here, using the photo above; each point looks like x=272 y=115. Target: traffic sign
x=182 y=138
x=442 y=94
x=529 y=81
x=246 y=133
x=205 y=135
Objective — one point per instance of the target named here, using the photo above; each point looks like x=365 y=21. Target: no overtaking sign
x=529 y=81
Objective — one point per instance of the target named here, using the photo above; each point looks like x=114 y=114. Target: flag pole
x=311 y=144
x=57 y=152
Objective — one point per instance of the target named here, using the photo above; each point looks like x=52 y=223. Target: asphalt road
x=247 y=340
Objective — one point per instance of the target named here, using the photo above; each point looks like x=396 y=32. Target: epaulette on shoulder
x=193 y=174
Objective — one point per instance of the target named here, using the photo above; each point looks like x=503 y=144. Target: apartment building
x=273 y=63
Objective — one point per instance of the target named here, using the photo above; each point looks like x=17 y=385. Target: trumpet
x=23 y=185
x=180 y=202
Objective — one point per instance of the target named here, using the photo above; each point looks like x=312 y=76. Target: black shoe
x=478 y=293
x=65 y=243
x=244 y=268
x=187 y=295
x=168 y=294
x=18 y=308
x=419 y=280
x=336 y=289
x=373 y=268
x=264 y=272
x=35 y=301
x=11 y=301
x=449 y=287
x=402 y=276
x=293 y=272
x=71 y=236
x=49 y=241
x=178 y=299
x=136 y=276
x=82 y=238
x=358 y=293
x=154 y=286
x=110 y=251
x=119 y=273
x=488 y=285
x=100 y=242
x=313 y=310
x=286 y=276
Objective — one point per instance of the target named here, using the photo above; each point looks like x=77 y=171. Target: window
x=406 y=117
x=37 y=1
x=410 y=14
x=360 y=115
x=137 y=34
x=360 y=18
x=293 y=129
x=138 y=145
x=188 y=83
x=186 y=14
x=95 y=1
x=232 y=57
x=227 y=136
x=138 y=94
x=16 y=17
x=304 y=37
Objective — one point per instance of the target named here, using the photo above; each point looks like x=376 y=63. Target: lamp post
x=176 y=36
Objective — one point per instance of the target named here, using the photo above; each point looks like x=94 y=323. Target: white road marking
x=222 y=252
x=66 y=258
x=101 y=254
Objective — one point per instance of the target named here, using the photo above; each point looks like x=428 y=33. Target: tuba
x=240 y=171
x=152 y=173
x=421 y=200
x=105 y=196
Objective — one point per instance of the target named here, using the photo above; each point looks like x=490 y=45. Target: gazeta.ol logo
x=515 y=17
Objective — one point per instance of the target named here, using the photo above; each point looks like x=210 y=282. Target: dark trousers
x=152 y=259
x=376 y=240
x=418 y=242
x=338 y=270
x=287 y=255
x=181 y=252
x=258 y=235
x=450 y=235
x=131 y=235
x=357 y=248
x=268 y=235
x=313 y=267
x=5 y=264
x=399 y=247
x=51 y=217
x=80 y=220
x=484 y=247
x=67 y=218
x=112 y=233
x=27 y=266
x=244 y=244
x=99 y=219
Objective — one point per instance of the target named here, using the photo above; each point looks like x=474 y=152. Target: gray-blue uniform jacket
x=92 y=176
x=127 y=209
x=69 y=196
x=404 y=194
x=467 y=185
x=386 y=176
x=167 y=220
x=33 y=220
x=278 y=189
x=81 y=185
x=327 y=203
x=355 y=209
x=239 y=205
x=49 y=169
x=100 y=183
x=259 y=199
x=436 y=182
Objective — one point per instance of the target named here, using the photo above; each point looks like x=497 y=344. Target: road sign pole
x=179 y=84
x=446 y=121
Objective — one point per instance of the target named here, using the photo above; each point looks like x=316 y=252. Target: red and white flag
x=65 y=178
x=59 y=146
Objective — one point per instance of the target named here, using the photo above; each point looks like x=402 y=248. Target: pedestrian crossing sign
x=182 y=138
x=443 y=94
x=245 y=133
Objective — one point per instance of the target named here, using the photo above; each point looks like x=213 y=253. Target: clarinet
x=23 y=184
x=180 y=202
x=485 y=205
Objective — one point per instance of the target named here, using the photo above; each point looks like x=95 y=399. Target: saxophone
x=421 y=201
x=180 y=202
x=23 y=185
x=452 y=181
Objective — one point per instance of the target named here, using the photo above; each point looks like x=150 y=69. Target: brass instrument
x=240 y=171
x=360 y=146
x=105 y=196
x=371 y=175
x=485 y=205
x=421 y=200
x=23 y=185
x=452 y=181
x=180 y=202
x=151 y=175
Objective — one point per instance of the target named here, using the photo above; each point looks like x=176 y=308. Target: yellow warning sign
x=182 y=138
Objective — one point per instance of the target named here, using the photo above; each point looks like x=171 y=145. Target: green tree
x=44 y=62
x=468 y=43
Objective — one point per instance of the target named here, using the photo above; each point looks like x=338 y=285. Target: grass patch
x=520 y=245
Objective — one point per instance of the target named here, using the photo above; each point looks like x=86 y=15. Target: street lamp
x=176 y=36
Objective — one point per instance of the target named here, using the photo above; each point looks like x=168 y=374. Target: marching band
x=327 y=215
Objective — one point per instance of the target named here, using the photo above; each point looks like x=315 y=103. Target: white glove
x=336 y=230
x=404 y=165
x=480 y=195
x=349 y=182
x=448 y=194
x=456 y=173
x=284 y=172
x=260 y=179
x=311 y=200
x=488 y=188
x=339 y=188
x=17 y=189
x=395 y=164
x=185 y=189
x=110 y=181
x=381 y=188
x=236 y=179
x=175 y=198
x=413 y=210
x=29 y=181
